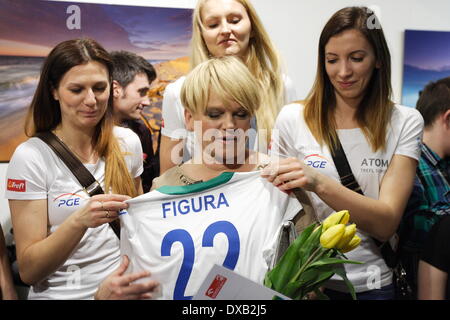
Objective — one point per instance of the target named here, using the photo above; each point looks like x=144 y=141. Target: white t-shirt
x=179 y=233
x=403 y=138
x=174 y=121
x=36 y=172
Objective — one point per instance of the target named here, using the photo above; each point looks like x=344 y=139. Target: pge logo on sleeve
x=17 y=185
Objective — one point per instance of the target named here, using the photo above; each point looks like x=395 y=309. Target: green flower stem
x=311 y=259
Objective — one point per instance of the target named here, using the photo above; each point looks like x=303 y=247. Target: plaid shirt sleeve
x=418 y=218
x=427 y=203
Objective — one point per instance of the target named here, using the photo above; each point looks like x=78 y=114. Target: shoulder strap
x=345 y=172
x=84 y=177
x=348 y=180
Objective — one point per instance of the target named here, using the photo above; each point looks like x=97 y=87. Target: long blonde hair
x=262 y=60
x=44 y=113
x=376 y=107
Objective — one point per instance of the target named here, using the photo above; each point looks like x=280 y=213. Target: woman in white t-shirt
x=220 y=28
x=351 y=100
x=65 y=246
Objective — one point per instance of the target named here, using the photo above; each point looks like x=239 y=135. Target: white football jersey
x=179 y=233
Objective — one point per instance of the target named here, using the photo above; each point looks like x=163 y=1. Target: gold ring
x=107 y=214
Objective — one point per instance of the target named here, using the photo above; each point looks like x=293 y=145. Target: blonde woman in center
x=223 y=28
x=222 y=96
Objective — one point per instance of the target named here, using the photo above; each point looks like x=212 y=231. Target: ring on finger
x=107 y=214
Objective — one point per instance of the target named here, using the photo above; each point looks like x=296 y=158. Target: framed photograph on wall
x=29 y=29
x=426 y=58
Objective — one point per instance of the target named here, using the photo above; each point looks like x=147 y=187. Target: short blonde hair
x=262 y=60
x=227 y=77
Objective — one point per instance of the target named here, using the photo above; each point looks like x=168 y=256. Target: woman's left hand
x=291 y=173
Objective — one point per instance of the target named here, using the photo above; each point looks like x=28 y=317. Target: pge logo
x=316 y=161
x=68 y=200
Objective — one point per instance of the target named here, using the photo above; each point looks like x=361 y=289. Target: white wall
x=295 y=26
x=143 y=3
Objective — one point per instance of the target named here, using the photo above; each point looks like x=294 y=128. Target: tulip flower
x=340 y=217
x=350 y=231
x=331 y=237
x=314 y=257
x=352 y=244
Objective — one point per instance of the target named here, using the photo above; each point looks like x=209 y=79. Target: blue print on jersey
x=199 y=204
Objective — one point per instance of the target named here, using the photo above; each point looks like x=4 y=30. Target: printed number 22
x=182 y=236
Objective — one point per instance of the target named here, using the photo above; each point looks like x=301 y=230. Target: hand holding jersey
x=100 y=209
x=351 y=101
x=124 y=287
x=291 y=173
x=232 y=218
x=65 y=247
x=179 y=233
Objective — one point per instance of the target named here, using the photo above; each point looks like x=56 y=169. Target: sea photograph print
x=29 y=29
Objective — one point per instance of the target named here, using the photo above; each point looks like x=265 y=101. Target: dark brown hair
x=375 y=109
x=434 y=100
x=44 y=113
x=128 y=64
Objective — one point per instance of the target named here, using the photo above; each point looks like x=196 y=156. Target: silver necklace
x=87 y=160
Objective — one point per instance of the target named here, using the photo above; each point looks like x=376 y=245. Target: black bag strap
x=343 y=167
x=346 y=175
x=84 y=177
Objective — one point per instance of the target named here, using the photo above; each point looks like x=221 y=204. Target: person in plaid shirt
x=430 y=198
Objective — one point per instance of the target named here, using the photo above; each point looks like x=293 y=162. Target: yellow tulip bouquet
x=314 y=257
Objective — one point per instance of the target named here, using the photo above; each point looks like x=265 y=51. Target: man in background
x=132 y=77
x=430 y=198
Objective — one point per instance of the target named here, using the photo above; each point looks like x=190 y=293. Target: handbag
x=388 y=249
x=84 y=177
x=290 y=229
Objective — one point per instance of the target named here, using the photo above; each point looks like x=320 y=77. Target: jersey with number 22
x=179 y=233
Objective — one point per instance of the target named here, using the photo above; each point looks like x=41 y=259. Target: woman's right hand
x=120 y=286
x=290 y=173
x=100 y=209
